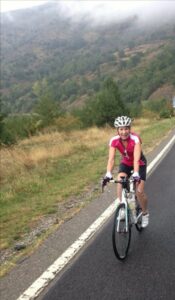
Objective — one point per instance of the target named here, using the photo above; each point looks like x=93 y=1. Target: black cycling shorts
x=126 y=169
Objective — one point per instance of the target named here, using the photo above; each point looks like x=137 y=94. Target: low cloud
x=107 y=11
x=102 y=12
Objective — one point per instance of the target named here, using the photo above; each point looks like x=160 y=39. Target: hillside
x=74 y=57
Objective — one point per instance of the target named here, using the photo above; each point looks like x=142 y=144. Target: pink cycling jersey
x=127 y=152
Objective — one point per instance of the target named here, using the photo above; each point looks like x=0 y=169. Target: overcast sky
x=9 y=5
x=103 y=9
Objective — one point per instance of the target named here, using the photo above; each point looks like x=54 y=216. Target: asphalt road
x=149 y=271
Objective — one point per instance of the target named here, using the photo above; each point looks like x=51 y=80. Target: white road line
x=154 y=162
x=38 y=286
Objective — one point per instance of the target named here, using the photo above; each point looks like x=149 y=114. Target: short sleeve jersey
x=127 y=152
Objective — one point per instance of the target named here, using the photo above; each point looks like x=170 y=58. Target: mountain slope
x=74 y=56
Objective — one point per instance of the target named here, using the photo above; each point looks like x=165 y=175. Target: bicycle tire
x=138 y=225
x=120 y=236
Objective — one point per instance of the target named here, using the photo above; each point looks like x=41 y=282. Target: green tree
x=46 y=107
x=48 y=111
x=108 y=104
x=131 y=44
x=163 y=107
x=104 y=107
x=16 y=127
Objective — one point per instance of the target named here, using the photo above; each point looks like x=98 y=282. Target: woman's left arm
x=137 y=155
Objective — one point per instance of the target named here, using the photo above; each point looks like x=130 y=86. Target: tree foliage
x=104 y=107
x=46 y=107
x=162 y=107
x=16 y=127
x=67 y=55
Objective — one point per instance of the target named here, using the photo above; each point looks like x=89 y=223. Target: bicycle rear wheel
x=139 y=218
x=121 y=235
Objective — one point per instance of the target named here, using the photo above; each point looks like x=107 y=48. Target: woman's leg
x=142 y=196
x=119 y=186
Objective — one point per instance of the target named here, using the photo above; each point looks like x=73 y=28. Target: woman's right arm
x=111 y=161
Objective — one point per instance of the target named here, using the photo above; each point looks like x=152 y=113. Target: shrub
x=18 y=127
x=165 y=113
x=68 y=122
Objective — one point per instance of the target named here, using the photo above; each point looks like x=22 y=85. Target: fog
x=102 y=12
x=10 y=5
x=107 y=11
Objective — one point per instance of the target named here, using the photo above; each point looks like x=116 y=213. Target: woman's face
x=123 y=132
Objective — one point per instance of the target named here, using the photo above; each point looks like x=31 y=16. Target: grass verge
x=34 y=186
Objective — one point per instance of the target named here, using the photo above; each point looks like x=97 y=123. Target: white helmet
x=122 y=121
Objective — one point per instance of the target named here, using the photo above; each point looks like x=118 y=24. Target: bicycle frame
x=126 y=193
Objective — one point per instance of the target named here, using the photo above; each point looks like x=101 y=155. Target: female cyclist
x=129 y=145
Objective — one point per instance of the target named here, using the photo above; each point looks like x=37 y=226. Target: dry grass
x=37 y=150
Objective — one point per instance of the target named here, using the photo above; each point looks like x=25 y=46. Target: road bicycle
x=128 y=213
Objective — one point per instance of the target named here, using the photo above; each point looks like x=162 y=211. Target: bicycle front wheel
x=121 y=235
